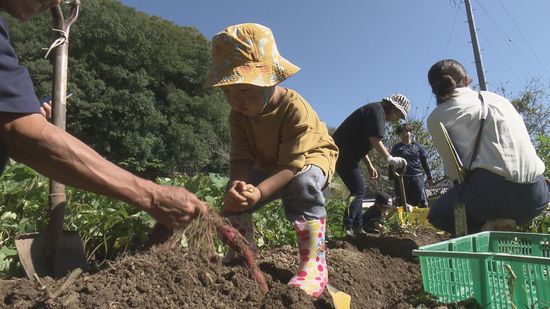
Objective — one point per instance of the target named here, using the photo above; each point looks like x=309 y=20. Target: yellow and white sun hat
x=247 y=54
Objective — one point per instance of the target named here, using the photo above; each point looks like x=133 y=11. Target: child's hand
x=234 y=200
x=252 y=195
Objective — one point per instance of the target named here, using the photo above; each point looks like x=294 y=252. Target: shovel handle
x=402 y=187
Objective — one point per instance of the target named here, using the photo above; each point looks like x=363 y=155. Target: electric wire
x=444 y=56
x=452 y=31
x=507 y=65
x=523 y=61
x=523 y=36
x=501 y=58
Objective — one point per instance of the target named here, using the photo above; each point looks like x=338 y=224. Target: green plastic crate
x=498 y=269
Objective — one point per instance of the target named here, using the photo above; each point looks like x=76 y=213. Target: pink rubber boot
x=312 y=275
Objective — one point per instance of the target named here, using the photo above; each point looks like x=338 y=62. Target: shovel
x=55 y=252
x=402 y=188
x=340 y=299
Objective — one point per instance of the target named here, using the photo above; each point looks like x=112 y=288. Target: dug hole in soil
x=378 y=272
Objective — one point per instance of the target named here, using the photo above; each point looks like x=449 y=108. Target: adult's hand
x=397 y=162
x=373 y=172
x=175 y=206
x=54 y=153
x=46 y=110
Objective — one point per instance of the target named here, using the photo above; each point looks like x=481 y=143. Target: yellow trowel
x=340 y=299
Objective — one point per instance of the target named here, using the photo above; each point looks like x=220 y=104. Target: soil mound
x=378 y=272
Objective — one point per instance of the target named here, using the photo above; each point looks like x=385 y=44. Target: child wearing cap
x=355 y=137
x=279 y=147
x=373 y=219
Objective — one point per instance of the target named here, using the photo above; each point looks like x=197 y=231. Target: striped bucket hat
x=247 y=54
x=400 y=102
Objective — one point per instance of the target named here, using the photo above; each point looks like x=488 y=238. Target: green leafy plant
x=107 y=227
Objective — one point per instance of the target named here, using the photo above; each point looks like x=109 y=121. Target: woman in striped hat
x=355 y=137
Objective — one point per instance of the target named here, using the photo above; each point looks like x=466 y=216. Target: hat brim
x=401 y=110
x=262 y=74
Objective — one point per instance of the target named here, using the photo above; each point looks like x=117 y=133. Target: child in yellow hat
x=279 y=147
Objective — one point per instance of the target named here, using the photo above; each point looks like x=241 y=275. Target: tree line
x=137 y=88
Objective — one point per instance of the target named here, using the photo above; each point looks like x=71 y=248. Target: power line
x=524 y=38
x=509 y=41
x=501 y=58
x=452 y=30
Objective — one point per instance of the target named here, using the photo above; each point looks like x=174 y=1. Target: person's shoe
x=312 y=274
x=508 y=225
x=348 y=231
x=357 y=231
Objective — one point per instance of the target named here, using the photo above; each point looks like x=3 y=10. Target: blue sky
x=355 y=52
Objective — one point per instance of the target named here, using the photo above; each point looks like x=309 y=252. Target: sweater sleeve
x=295 y=139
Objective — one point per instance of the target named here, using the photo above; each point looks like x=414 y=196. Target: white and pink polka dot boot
x=243 y=224
x=312 y=275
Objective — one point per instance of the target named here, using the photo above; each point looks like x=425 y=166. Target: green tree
x=533 y=103
x=137 y=83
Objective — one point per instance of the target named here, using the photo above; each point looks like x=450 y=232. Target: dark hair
x=383 y=199
x=445 y=76
x=388 y=107
x=403 y=127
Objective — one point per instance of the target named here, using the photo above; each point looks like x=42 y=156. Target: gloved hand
x=397 y=162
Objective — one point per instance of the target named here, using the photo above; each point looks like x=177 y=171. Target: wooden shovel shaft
x=57 y=197
x=402 y=187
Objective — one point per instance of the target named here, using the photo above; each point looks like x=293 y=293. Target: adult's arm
x=56 y=154
x=391 y=170
x=396 y=162
x=377 y=144
x=370 y=167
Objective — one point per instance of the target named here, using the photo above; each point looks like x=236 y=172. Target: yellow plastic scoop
x=340 y=299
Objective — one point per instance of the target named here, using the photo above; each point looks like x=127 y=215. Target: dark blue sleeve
x=424 y=162
x=16 y=88
x=394 y=151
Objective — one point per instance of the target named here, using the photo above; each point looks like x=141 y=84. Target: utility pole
x=475 y=45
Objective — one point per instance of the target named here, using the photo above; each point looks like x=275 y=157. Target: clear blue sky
x=355 y=52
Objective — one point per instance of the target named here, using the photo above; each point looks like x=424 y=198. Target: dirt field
x=378 y=272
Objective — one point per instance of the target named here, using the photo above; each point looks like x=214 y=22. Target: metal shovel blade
x=31 y=250
x=340 y=299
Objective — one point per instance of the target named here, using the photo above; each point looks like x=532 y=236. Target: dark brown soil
x=378 y=272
